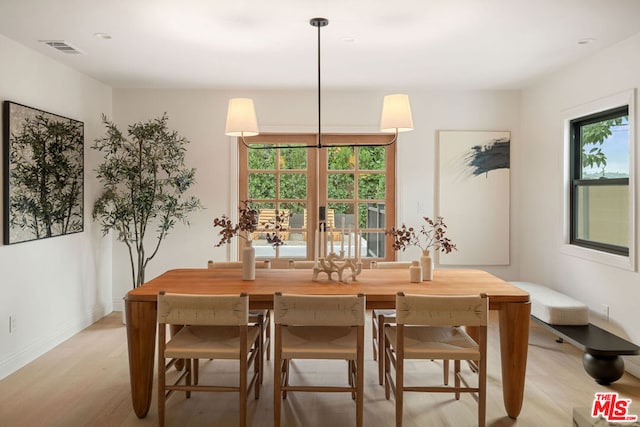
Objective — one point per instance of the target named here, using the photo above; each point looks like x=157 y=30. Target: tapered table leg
x=514 y=341
x=141 y=337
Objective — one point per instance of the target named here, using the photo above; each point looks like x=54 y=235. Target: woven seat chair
x=319 y=327
x=380 y=316
x=430 y=327
x=260 y=317
x=215 y=327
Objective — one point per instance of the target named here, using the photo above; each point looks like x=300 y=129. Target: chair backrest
x=237 y=264
x=301 y=263
x=442 y=310
x=191 y=309
x=319 y=310
x=390 y=264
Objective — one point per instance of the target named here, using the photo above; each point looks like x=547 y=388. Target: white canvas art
x=473 y=195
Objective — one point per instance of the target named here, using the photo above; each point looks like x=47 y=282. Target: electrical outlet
x=12 y=323
x=604 y=311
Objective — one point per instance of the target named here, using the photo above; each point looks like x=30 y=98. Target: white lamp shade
x=241 y=118
x=396 y=114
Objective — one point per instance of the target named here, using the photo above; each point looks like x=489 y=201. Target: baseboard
x=118 y=304
x=632 y=365
x=43 y=344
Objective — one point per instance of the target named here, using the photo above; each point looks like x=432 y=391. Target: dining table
x=379 y=286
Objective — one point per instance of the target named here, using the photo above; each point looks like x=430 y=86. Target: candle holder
x=338 y=264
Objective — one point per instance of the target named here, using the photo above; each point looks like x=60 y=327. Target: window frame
x=578 y=182
x=626 y=262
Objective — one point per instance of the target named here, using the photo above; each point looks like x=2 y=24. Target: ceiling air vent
x=62 y=46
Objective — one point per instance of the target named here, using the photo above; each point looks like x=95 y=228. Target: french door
x=353 y=186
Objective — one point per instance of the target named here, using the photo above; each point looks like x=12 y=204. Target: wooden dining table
x=379 y=286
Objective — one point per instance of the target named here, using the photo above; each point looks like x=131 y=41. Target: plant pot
x=248 y=261
x=427 y=266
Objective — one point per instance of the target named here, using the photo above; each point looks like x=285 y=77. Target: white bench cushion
x=554 y=307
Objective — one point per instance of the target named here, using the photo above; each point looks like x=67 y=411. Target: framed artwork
x=474 y=195
x=43 y=174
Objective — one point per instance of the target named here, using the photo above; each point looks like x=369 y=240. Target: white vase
x=248 y=261
x=427 y=266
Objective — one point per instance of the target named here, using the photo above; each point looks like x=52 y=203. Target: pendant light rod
x=396 y=114
x=319 y=23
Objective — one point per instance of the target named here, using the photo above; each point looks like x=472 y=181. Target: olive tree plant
x=145 y=182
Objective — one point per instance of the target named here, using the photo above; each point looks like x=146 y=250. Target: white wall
x=199 y=115
x=58 y=286
x=614 y=70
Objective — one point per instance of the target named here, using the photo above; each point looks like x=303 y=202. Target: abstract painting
x=43 y=174
x=474 y=195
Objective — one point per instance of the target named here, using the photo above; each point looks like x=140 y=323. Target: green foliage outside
x=593 y=136
x=145 y=182
x=46 y=177
x=341 y=186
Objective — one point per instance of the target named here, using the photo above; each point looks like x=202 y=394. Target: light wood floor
x=84 y=382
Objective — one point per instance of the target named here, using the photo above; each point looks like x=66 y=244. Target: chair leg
x=374 y=337
x=381 y=359
x=399 y=390
x=257 y=367
x=277 y=381
x=188 y=368
x=351 y=371
x=285 y=372
x=482 y=394
x=268 y=334
x=456 y=377
x=360 y=387
x=244 y=369
x=161 y=383
x=260 y=355
x=445 y=369
x=387 y=368
x=196 y=371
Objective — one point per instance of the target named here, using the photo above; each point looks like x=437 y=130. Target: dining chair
x=381 y=316
x=319 y=327
x=430 y=327
x=215 y=327
x=261 y=317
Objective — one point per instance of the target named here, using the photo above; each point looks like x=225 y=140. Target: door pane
x=262 y=159
x=262 y=186
x=341 y=158
x=340 y=186
x=371 y=186
x=371 y=158
x=371 y=215
x=343 y=211
x=293 y=186
x=293 y=158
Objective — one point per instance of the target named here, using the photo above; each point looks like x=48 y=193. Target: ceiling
x=368 y=44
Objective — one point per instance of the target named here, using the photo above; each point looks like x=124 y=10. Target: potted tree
x=145 y=182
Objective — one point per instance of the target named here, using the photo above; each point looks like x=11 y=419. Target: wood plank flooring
x=84 y=382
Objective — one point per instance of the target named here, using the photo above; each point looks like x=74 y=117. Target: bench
x=569 y=320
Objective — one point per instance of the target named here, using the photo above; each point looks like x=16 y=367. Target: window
x=599 y=176
x=355 y=185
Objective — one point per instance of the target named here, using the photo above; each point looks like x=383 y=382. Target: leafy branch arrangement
x=429 y=235
x=144 y=182
x=248 y=224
